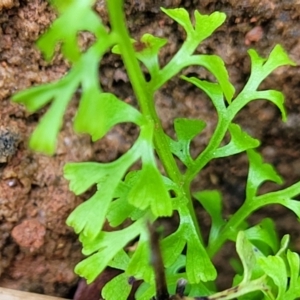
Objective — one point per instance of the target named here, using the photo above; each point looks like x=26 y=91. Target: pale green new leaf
x=259 y=172
x=275 y=268
x=245 y=251
x=293 y=291
x=240 y=141
x=117 y=288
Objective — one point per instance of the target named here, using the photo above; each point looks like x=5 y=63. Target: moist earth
x=38 y=251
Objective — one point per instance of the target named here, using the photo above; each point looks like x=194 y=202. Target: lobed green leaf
x=181 y=16
x=186 y=130
x=120 y=284
x=172 y=246
x=150 y=191
x=261 y=67
x=147 y=50
x=212 y=203
x=107 y=245
x=259 y=172
x=264 y=232
x=86 y=19
x=215 y=65
x=240 y=141
x=99 y=112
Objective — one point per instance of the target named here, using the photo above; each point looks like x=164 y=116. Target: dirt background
x=37 y=250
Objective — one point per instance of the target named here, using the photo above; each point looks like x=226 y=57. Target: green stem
x=141 y=89
x=145 y=96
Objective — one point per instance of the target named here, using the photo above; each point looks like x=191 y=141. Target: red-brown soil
x=37 y=250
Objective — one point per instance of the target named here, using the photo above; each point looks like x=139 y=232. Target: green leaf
x=264 y=232
x=60 y=93
x=107 y=245
x=99 y=112
x=145 y=291
x=186 y=130
x=181 y=16
x=198 y=266
x=284 y=243
x=83 y=175
x=86 y=20
x=213 y=90
x=147 y=52
x=89 y=216
x=150 y=190
x=212 y=203
x=244 y=98
x=172 y=246
x=293 y=291
x=274 y=267
x=120 y=260
x=259 y=172
x=215 y=65
x=205 y=25
x=261 y=67
x=119 y=211
x=240 y=141
x=139 y=265
x=37 y=97
x=44 y=137
x=117 y=289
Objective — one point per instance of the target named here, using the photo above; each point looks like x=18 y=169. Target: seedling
x=268 y=269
